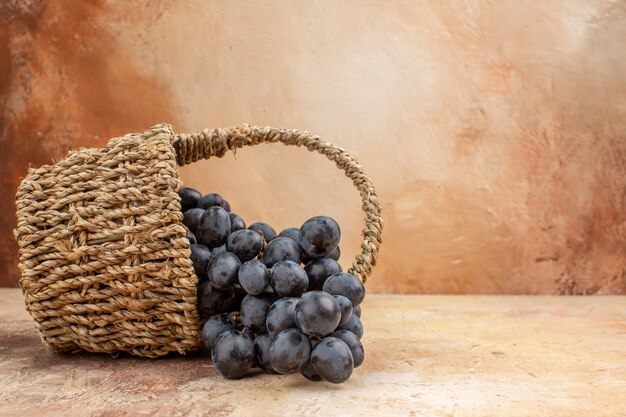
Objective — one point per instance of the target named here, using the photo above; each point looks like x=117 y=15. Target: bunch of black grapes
x=280 y=302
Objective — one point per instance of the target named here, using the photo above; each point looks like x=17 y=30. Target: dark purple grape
x=265 y=229
x=289 y=351
x=192 y=238
x=253 y=277
x=233 y=354
x=262 y=344
x=215 y=326
x=212 y=301
x=246 y=244
x=355 y=345
x=309 y=373
x=188 y=198
x=319 y=270
x=211 y=200
x=281 y=316
x=218 y=250
x=200 y=256
x=288 y=279
x=222 y=270
x=214 y=227
x=353 y=325
x=254 y=311
x=332 y=360
x=346 y=308
x=319 y=236
x=292 y=233
x=281 y=249
x=317 y=314
x=191 y=219
x=347 y=285
x=356 y=311
x=305 y=259
x=236 y=222
x=226 y=206
x=307 y=370
x=336 y=254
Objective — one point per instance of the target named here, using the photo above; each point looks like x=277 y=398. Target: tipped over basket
x=104 y=256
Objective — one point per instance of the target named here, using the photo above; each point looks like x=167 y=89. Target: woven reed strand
x=216 y=142
x=103 y=254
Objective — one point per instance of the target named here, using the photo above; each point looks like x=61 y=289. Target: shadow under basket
x=104 y=255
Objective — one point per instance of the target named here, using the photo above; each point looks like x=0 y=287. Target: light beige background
x=494 y=131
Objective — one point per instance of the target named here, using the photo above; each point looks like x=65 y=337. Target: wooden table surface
x=425 y=355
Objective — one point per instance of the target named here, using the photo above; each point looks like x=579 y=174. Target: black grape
x=317 y=314
x=356 y=311
x=346 y=308
x=233 y=354
x=319 y=270
x=191 y=219
x=281 y=249
x=288 y=279
x=236 y=222
x=281 y=316
x=254 y=312
x=262 y=344
x=226 y=206
x=265 y=229
x=215 y=326
x=309 y=373
x=347 y=285
x=222 y=270
x=246 y=244
x=353 y=325
x=332 y=360
x=212 y=301
x=336 y=254
x=292 y=233
x=188 y=198
x=200 y=256
x=213 y=228
x=289 y=351
x=319 y=236
x=211 y=200
x=218 y=250
x=305 y=259
x=307 y=370
x=253 y=277
x=192 y=238
x=355 y=345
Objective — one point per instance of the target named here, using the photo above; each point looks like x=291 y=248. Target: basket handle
x=191 y=147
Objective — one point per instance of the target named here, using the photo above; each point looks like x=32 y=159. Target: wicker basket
x=103 y=252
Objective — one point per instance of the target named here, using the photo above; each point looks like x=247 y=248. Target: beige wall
x=495 y=132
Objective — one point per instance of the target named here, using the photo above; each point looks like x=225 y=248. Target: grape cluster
x=280 y=302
